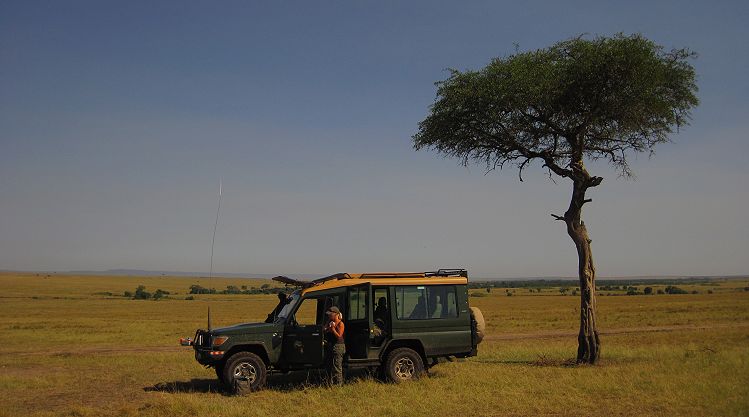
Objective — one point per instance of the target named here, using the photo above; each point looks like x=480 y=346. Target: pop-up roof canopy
x=372 y=275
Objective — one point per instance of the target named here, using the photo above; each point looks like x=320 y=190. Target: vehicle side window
x=411 y=301
x=425 y=302
x=306 y=315
x=357 y=303
x=381 y=306
x=329 y=301
x=441 y=301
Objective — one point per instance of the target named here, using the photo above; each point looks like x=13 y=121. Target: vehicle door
x=358 y=321
x=303 y=336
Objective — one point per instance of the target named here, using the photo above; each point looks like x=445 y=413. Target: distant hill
x=306 y=277
x=150 y=273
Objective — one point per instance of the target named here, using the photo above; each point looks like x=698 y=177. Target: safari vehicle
x=399 y=324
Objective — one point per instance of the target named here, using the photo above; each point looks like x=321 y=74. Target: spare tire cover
x=480 y=323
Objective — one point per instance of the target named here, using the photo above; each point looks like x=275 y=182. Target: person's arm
x=338 y=330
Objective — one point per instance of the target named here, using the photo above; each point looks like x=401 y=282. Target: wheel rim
x=245 y=371
x=404 y=368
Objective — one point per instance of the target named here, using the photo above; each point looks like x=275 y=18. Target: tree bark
x=589 y=345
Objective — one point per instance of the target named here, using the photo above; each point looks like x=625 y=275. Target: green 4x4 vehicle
x=398 y=323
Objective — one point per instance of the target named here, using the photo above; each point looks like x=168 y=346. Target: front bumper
x=208 y=357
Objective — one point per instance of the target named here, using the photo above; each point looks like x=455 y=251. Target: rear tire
x=244 y=372
x=403 y=364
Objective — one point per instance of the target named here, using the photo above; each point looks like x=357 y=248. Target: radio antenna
x=215 y=225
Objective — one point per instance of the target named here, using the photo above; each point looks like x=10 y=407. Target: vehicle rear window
x=425 y=302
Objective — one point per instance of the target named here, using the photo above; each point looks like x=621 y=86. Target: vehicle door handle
x=315 y=334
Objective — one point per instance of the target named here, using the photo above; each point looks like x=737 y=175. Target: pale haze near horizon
x=118 y=120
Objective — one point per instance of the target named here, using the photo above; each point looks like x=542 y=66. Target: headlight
x=219 y=340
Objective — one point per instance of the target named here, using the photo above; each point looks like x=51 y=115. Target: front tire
x=403 y=364
x=244 y=372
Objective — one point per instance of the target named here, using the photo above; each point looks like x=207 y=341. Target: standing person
x=335 y=328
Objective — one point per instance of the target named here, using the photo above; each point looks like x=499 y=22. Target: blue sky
x=118 y=119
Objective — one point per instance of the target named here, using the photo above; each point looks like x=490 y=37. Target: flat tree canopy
x=577 y=100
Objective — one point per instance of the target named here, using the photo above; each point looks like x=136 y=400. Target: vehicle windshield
x=291 y=302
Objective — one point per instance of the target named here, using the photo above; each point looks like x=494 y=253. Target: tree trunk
x=589 y=345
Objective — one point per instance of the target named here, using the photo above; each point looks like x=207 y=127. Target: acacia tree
x=578 y=100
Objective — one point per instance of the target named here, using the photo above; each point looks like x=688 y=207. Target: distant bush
x=675 y=290
x=633 y=291
x=509 y=294
x=232 y=289
x=479 y=294
x=648 y=290
x=661 y=291
x=709 y=291
x=197 y=289
x=488 y=290
x=141 y=293
x=160 y=294
x=695 y=292
x=189 y=297
x=127 y=294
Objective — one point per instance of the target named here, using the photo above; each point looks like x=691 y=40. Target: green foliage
x=127 y=294
x=607 y=284
x=141 y=293
x=160 y=294
x=648 y=290
x=675 y=290
x=189 y=297
x=198 y=289
x=599 y=98
x=233 y=289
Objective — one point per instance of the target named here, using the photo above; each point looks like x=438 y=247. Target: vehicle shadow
x=292 y=381
x=193 y=385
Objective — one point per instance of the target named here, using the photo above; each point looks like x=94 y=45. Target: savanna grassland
x=74 y=346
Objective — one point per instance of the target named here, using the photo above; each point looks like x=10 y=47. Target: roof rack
x=456 y=272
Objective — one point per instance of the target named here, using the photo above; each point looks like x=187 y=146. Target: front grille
x=202 y=339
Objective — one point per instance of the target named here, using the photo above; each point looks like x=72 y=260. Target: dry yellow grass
x=69 y=350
